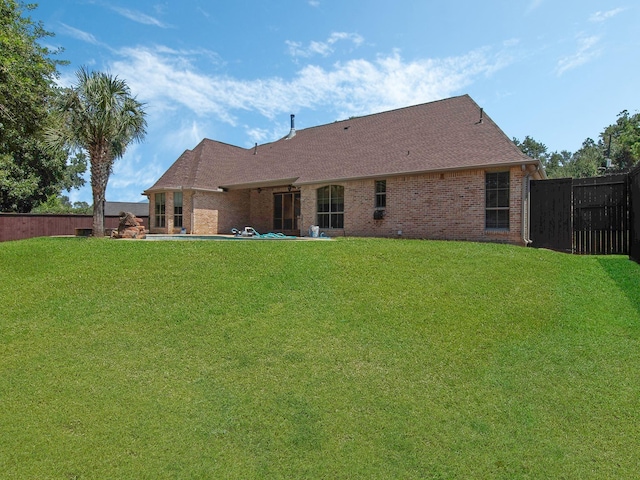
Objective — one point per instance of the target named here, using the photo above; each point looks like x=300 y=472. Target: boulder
x=129 y=227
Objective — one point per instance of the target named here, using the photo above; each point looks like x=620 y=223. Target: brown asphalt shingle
x=435 y=136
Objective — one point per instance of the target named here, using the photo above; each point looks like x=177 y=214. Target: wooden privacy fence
x=18 y=226
x=586 y=215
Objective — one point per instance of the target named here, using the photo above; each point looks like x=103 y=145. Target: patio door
x=286 y=210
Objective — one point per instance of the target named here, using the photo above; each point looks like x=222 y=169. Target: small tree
x=98 y=116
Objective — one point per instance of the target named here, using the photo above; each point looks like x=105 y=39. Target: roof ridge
x=368 y=115
x=398 y=109
x=225 y=144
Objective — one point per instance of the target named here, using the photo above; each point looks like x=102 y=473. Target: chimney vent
x=292 y=132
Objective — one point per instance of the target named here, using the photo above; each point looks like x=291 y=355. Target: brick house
x=439 y=170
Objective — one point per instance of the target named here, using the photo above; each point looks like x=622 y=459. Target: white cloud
x=139 y=17
x=187 y=132
x=587 y=51
x=535 y=4
x=314 y=3
x=80 y=34
x=296 y=49
x=161 y=8
x=134 y=171
x=203 y=12
x=168 y=81
x=603 y=16
x=262 y=135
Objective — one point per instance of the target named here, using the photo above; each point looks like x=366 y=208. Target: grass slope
x=358 y=358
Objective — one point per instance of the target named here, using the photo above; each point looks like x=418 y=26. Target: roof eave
x=151 y=190
x=261 y=184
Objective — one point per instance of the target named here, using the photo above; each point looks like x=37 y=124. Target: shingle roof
x=139 y=209
x=436 y=136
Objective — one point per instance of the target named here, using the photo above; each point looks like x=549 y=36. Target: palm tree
x=99 y=116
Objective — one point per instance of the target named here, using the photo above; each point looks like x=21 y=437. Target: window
x=177 y=209
x=497 y=200
x=381 y=194
x=160 y=209
x=331 y=206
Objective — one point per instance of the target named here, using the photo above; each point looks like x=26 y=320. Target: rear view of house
x=439 y=170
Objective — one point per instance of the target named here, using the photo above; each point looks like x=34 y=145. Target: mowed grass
x=356 y=358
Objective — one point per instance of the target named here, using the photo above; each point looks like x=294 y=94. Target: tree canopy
x=29 y=171
x=62 y=204
x=617 y=149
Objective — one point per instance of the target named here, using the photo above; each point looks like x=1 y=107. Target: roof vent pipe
x=255 y=149
x=292 y=132
x=481 y=114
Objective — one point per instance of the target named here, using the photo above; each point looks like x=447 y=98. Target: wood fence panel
x=550 y=219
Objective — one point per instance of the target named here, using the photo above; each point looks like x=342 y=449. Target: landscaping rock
x=129 y=227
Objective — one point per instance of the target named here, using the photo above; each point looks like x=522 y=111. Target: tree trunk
x=98 y=217
x=99 y=178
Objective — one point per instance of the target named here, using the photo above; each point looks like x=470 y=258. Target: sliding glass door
x=286 y=210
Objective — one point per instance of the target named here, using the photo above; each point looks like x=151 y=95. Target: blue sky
x=234 y=70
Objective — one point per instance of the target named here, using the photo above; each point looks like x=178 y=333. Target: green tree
x=29 y=172
x=100 y=117
x=557 y=163
x=623 y=140
x=62 y=204
x=587 y=161
x=532 y=148
x=552 y=162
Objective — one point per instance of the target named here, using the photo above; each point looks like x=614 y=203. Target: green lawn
x=356 y=358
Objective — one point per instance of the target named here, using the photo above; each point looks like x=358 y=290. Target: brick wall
x=219 y=212
x=261 y=217
x=446 y=206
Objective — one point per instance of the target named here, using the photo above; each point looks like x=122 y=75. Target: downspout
x=526 y=208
